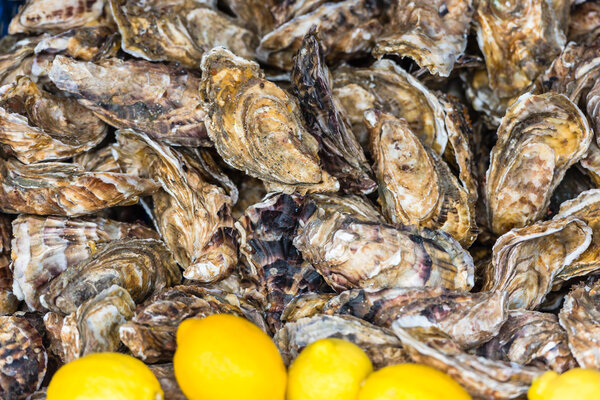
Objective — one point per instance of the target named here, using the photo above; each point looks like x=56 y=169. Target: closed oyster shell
x=255 y=14
x=86 y=43
x=8 y=300
x=433 y=33
x=584 y=21
x=540 y=137
x=180 y=30
x=54 y=188
x=257 y=127
x=580 y=316
x=305 y=305
x=531 y=338
x=158 y=99
x=140 y=266
x=166 y=377
x=23 y=358
x=340 y=152
x=36 y=125
x=193 y=216
x=527 y=274
x=49 y=15
x=16 y=53
x=382 y=347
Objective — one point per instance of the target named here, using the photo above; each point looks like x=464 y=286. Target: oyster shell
x=251 y=191
x=49 y=15
x=179 y=30
x=23 y=358
x=158 y=99
x=86 y=43
x=340 y=152
x=94 y=326
x=433 y=33
x=16 y=55
x=98 y=160
x=382 y=347
x=527 y=274
x=257 y=127
x=305 y=305
x=531 y=338
x=354 y=253
x=8 y=300
x=192 y=215
x=36 y=125
x=590 y=164
x=580 y=316
x=584 y=21
x=255 y=14
x=415 y=186
x=54 y=188
x=539 y=138
x=140 y=266
x=166 y=376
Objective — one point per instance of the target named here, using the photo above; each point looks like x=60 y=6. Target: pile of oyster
x=421 y=178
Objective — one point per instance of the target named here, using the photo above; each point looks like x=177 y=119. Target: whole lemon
x=224 y=357
x=328 y=369
x=577 y=383
x=411 y=382
x=103 y=376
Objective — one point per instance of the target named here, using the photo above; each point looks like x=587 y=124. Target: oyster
x=94 y=326
x=415 y=186
x=23 y=358
x=382 y=347
x=158 y=99
x=539 y=138
x=469 y=319
x=433 y=33
x=98 y=160
x=593 y=108
x=166 y=376
x=527 y=274
x=54 y=188
x=257 y=127
x=531 y=338
x=346 y=28
x=515 y=57
x=8 y=300
x=150 y=335
x=86 y=43
x=36 y=125
x=584 y=21
x=49 y=15
x=590 y=164
x=255 y=14
x=305 y=305
x=15 y=56
x=178 y=30
x=580 y=316
x=140 y=266
x=483 y=98
x=340 y=152
x=353 y=253
x=192 y=215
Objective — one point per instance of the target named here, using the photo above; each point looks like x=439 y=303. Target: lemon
x=224 y=357
x=577 y=383
x=411 y=382
x=328 y=369
x=103 y=376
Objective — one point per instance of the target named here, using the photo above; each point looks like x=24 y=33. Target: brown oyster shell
x=49 y=15
x=16 y=55
x=158 y=99
x=140 y=266
x=54 y=188
x=85 y=43
x=192 y=215
x=433 y=33
x=584 y=21
x=36 y=125
x=257 y=127
x=527 y=274
x=531 y=338
x=166 y=377
x=98 y=160
x=305 y=305
x=8 y=300
x=254 y=14
x=23 y=358
x=539 y=138
x=382 y=347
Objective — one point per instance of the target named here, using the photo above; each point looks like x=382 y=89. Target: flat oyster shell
x=180 y=30
x=433 y=33
x=354 y=253
x=531 y=338
x=257 y=127
x=166 y=377
x=85 y=43
x=415 y=186
x=141 y=266
x=539 y=138
x=36 y=125
x=53 y=188
x=193 y=216
x=158 y=99
x=527 y=274
x=23 y=358
x=8 y=300
x=382 y=347
x=340 y=152
x=48 y=15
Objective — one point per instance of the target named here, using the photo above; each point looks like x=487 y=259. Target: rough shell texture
x=8 y=300
x=584 y=21
x=14 y=55
x=166 y=376
x=86 y=43
x=48 y=15
x=99 y=160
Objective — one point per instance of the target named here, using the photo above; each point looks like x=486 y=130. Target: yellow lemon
x=411 y=382
x=224 y=357
x=328 y=369
x=577 y=383
x=103 y=376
